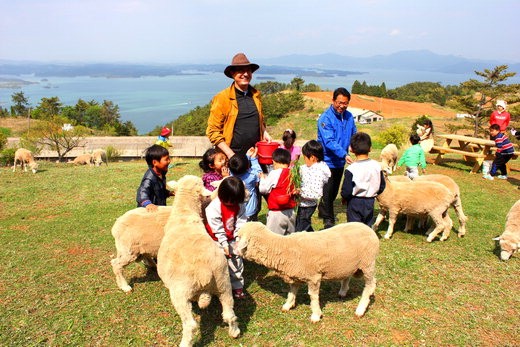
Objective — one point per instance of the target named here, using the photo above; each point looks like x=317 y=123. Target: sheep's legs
x=189 y=325
x=117 y=266
x=378 y=221
x=228 y=314
x=460 y=215
x=344 y=287
x=314 y=293
x=370 y=287
x=391 y=221
x=439 y=226
x=448 y=224
x=291 y=297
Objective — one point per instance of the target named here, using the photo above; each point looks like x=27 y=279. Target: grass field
x=57 y=287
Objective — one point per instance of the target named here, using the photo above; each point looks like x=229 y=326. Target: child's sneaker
x=238 y=293
x=488 y=177
x=502 y=177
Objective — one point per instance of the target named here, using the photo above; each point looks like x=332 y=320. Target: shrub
x=7 y=156
x=3 y=140
x=113 y=153
x=396 y=134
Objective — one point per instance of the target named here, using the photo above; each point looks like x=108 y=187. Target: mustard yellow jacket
x=223 y=115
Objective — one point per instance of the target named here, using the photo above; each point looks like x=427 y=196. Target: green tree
x=20 y=104
x=194 y=123
x=479 y=97
x=270 y=87
x=356 y=87
x=297 y=83
x=51 y=134
x=48 y=108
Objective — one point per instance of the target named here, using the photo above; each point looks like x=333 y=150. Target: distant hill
x=297 y=64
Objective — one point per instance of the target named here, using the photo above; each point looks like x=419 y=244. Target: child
x=214 y=165
x=363 y=181
x=314 y=174
x=503 y=154
x=152 y=192
x=413 y=157
x=426 y=135
x=281 y=201
x=225 y=215
x=162 y=140
x=247 y=168
x=289 y=137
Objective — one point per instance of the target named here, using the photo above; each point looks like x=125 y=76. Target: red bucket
x=265 y=151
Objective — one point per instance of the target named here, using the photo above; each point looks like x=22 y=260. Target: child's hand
x=151 y=208
x=226 y=251
x=225 y=171
x=252 y=152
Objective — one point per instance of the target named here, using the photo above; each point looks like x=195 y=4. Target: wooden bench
x=444 y=150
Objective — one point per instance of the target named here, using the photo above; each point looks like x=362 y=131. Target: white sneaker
x=488 y=177
x=502 y=177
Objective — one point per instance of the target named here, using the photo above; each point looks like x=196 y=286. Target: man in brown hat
x=236 y=121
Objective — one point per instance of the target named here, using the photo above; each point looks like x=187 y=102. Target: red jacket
x=502 y=119
x=281 y=197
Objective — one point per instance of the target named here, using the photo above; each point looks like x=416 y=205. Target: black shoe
x=328 y=224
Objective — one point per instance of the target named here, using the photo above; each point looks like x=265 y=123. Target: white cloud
x=395 y=32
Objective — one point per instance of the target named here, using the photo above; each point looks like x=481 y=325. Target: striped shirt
x=504 y=146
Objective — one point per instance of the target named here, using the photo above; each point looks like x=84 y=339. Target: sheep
x=138 y=235
x=192 y=265
x=83 y=159
x=510 y=239
x=25 y=157
x=452 y=186
x=98 y=156
x=389 y=158
x=419 y=198
x=336 y=253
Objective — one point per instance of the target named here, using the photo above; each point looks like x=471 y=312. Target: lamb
x=420 y=198
x=389 y=158
x=98 y=156
x=192 y=265
x=83 y=159
x=452 y=186
x=138 y=235
x=510 y=239
x=336 y=253
x=25 y=157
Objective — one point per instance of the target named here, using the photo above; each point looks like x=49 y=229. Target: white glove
x=513 y=132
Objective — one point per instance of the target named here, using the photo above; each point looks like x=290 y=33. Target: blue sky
x=184 y=31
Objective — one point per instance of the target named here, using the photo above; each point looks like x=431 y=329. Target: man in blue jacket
x=335 y=128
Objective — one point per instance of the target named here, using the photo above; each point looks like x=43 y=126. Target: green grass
x=57 y=287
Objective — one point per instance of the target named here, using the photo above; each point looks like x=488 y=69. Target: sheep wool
x=336 y=253
x=192 y=265
x=509 y=241
x=26 y=159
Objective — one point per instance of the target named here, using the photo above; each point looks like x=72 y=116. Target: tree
x=48 y=108
x=50 y=133
x=20 y=104
x=478 y=97
x=297 y=83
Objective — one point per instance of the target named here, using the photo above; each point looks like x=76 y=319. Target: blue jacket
x=334 y=133
x=251 y=179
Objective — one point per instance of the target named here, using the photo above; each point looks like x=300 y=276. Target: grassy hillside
x=57 y=287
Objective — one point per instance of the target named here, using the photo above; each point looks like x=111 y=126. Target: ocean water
x=151 y=101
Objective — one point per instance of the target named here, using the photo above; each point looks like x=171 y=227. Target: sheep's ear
x=216 y=183
x=496 y=238
x=213 y=195
x=207 y=192
x=172 y=185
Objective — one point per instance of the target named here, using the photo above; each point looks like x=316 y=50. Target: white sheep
x=83 y=159
x=192 y=265
x=138 y=235
x=416 y=199
x=389 y=158
x=336 y=253
x=449 y=183
x=510 y=239
x=99 y=156
x=26 y=159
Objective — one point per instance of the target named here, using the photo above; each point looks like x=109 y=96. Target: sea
x=153 y=101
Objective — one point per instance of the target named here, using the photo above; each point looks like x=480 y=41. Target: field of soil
x=389 y=108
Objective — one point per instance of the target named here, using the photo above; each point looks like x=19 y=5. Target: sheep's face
x=34 y=167
x=507 y=249
x=241 y=245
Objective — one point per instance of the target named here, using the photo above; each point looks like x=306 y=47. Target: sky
x=212 y=31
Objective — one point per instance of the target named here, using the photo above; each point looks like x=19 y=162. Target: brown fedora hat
x=239 y=60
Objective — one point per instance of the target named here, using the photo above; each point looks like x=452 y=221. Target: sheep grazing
x=99 y=156
x=389 y=158
x=137 y=234
x=449 y=183
x=336 y=253
x=83 y=159
x=510 y=239
x=26 y=159
x=192 y=265
x=416 y=199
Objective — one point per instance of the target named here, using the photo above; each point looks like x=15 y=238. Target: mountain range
x=329 y=64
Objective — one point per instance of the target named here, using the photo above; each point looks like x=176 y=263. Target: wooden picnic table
x=473 y=149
